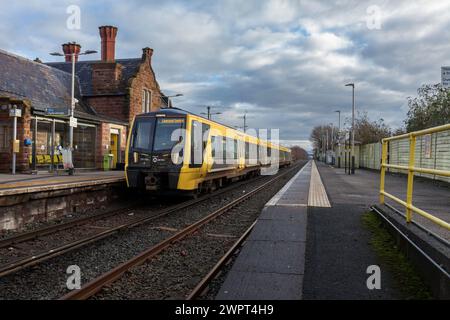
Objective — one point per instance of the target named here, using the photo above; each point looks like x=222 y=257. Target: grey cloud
x=285 y=61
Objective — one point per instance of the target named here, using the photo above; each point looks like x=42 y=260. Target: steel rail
x=30 y=235
x=97 y=284
x=31 y=260
x=16 y=265
x=200 y=287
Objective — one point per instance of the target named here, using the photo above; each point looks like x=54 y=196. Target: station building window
x=5 y=138
x=146 y=100
x=84 y=144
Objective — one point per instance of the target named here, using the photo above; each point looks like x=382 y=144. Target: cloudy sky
x=284 y=62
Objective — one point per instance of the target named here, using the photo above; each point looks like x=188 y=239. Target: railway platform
x=42 y=197
x=310 y=242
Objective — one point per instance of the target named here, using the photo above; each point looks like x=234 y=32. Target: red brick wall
x=23 y=131
x=106 y=77
x=115 y=107
x=145 y=79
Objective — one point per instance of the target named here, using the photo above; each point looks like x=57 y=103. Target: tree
x=370 y=131
x=299 y=153
x=430 y=108
x=323 y=136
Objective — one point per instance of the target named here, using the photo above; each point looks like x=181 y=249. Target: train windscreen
x=165 y=135
x=143 y=135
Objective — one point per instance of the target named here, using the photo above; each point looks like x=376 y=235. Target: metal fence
x=432 y=151
x=407 y=152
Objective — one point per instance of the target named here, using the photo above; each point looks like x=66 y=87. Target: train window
x=252 y=153
x=213 y=147
x=235 y=149
x=224 y=149
x=199 y=140
x=247 y=150
x=143 y=135
x=165 y=127
x=230 y=151
x=217 y=149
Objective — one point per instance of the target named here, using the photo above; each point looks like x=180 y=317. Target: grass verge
x=404 y=273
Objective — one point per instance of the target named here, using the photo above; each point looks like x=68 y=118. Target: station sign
x=55 y=112
x=15 y=112
x=73 y=122
x=445 y=77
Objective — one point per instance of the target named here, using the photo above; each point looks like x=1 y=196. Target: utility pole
x=209 y=113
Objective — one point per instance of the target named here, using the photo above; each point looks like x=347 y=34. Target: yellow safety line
x=317 y=195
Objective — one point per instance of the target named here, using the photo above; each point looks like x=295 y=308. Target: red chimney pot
x=108 y=35
x=69 y=49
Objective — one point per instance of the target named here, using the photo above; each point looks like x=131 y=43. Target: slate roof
x=44 y=86
x=83 y=70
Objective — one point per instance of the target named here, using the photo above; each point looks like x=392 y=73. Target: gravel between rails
x=48 y=279
x=47 y=242
x=31 y=226
x=177 y=270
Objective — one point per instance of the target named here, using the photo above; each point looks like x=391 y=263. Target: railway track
x=98 y=284
x=200 y=288
x=34 y=234
x=26 y=242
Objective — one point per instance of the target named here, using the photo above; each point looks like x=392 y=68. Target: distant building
x=110 y=92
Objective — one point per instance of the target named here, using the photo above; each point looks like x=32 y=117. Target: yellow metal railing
x=408 y=204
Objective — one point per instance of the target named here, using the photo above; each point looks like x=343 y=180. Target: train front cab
x=149 y=162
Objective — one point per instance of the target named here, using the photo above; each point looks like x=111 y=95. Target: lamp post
x=72 y=100
x=209 y=114
x=173 y=96
x=339 y=138
x=332 y=143
x=353 y=127
x=168 y=98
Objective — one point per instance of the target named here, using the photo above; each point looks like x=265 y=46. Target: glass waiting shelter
x=49 y=135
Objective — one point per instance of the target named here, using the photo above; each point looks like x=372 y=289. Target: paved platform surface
x=271 y=263
x=363 y=188
x=338 y=250
x=310 y=242
x=25 y=183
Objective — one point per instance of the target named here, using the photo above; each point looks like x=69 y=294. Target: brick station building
x=109 y=93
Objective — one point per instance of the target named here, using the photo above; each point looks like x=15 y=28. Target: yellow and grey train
x=160 y=161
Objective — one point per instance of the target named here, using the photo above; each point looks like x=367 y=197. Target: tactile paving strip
x=317 y=194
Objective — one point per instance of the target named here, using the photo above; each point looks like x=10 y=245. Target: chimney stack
x=147 y=53
x=108 y=36
x=69 y=49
